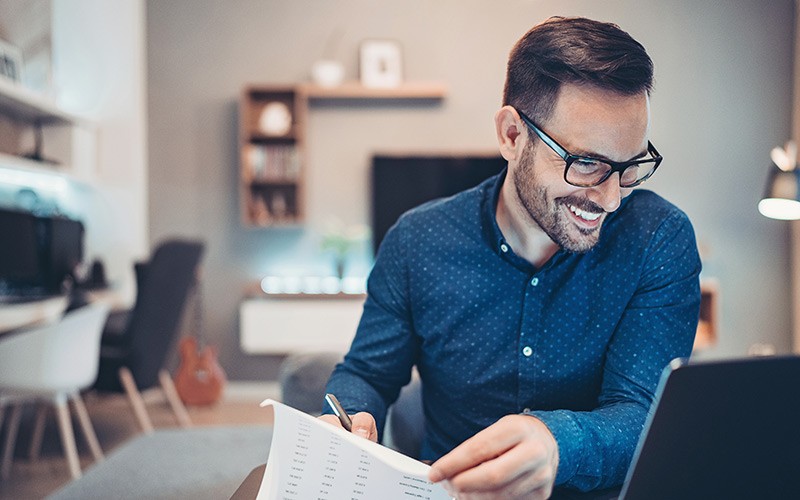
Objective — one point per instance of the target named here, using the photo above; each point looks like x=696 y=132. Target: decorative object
x=10 y=62
x=327 y=73
x=780 y=200
x=275 y=119
x=380 y=63
x=341 y=240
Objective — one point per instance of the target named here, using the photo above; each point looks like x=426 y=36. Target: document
x=311 y=459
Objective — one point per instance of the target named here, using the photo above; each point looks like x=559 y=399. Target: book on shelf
x=273 y=162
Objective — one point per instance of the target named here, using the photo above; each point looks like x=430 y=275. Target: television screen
x=400 y=183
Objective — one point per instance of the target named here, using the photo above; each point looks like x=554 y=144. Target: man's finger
x=483 y=446
x=523 y=468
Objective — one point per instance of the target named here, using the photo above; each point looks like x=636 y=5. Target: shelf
x=354 y=90
x=26 y=105
x=261 y=138
x=273 y=189
x=273 y=182
x=23 y=172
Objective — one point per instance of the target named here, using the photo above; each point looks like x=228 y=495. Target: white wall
x=99 y=72
x=722 y=101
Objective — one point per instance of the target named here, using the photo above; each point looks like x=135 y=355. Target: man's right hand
x=363 y=424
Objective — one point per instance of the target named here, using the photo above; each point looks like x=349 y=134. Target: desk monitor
x=66 y=250
x=21 y=235
x=37 y=253
x=722 y=429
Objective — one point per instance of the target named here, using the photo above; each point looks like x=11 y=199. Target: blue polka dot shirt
x=579 y=343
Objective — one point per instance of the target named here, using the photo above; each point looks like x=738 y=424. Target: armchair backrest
x=164 y=284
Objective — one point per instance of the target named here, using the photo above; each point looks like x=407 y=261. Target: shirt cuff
x=568 y=438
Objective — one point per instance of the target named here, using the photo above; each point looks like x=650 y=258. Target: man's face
x=588 y=122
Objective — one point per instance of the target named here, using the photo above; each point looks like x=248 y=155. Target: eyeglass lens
x=587 y=172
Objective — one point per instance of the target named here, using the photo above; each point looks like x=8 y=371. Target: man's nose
x=607 y=194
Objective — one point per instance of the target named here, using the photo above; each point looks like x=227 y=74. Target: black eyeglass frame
x=570 y=158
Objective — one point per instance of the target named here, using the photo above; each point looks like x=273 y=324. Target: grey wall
x=722 y=101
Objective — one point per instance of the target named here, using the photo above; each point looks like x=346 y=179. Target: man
x=541 y=306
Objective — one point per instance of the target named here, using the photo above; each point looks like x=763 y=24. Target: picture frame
x=380 y=63
x=10 y=62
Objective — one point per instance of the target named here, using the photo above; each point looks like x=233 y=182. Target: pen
x=339 y=411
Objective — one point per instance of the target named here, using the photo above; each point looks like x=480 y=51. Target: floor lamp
x=781 y=200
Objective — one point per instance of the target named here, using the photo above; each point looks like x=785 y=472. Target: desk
x=24 y=314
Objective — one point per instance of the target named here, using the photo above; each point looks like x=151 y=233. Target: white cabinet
x=290 y=324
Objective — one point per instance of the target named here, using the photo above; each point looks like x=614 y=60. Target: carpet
x=195 y=463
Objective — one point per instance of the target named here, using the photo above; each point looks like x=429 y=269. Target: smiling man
x=541 y=306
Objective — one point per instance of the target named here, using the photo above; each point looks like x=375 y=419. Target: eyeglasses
x=585 y=171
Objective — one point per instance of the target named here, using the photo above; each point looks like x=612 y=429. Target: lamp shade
x=780 y=200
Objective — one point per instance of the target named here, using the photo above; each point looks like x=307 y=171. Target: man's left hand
x=516 y=457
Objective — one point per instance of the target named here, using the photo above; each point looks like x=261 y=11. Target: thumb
x=364 y=426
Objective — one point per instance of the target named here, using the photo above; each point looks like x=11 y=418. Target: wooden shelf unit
x=271 y=161
x=273 y=164
x=708 y=326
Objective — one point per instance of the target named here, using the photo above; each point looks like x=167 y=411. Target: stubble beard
x=550 y=215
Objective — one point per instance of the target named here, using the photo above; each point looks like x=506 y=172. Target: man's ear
x=506 y=123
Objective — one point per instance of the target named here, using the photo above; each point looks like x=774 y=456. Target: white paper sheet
x=311 y=459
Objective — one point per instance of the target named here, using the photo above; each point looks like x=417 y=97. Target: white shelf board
x=26 y=105
x=18 y=163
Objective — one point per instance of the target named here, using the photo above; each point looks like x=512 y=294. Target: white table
x=24 y=314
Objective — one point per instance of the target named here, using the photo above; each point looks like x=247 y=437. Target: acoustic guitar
x=200 y=379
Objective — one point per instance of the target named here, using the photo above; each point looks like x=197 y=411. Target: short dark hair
x=576 y=51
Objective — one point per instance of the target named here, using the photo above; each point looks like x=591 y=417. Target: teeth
x=590 y=216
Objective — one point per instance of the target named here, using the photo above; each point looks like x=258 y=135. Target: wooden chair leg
x=11 y=440
x=135 y=399
x=181 y=415
x=86 y=427
x=67 y=436
x=38 y=431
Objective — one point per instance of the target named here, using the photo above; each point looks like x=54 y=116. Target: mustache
x=581 y=203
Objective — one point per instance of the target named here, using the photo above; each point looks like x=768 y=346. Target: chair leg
x=11 y=440
x=38 y=431
x=67 y=436
x=135 y=399
x=181 y=415
x=86 y=427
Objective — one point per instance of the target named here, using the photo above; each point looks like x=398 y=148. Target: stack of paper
x=311 y=459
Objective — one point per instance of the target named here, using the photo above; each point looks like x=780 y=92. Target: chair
x=132 y=360
x=303 y=377
x=52 y=363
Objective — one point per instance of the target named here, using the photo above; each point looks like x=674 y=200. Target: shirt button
x=535 y=281
x=526 y=410
x=527 y=351
x=504 y=248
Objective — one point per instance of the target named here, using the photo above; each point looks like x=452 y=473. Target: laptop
x=721 y=430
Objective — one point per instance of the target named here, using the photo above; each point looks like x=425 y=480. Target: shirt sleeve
x=657 y=326
x=385 y=348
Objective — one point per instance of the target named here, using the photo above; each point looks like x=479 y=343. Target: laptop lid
x=723 y=429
